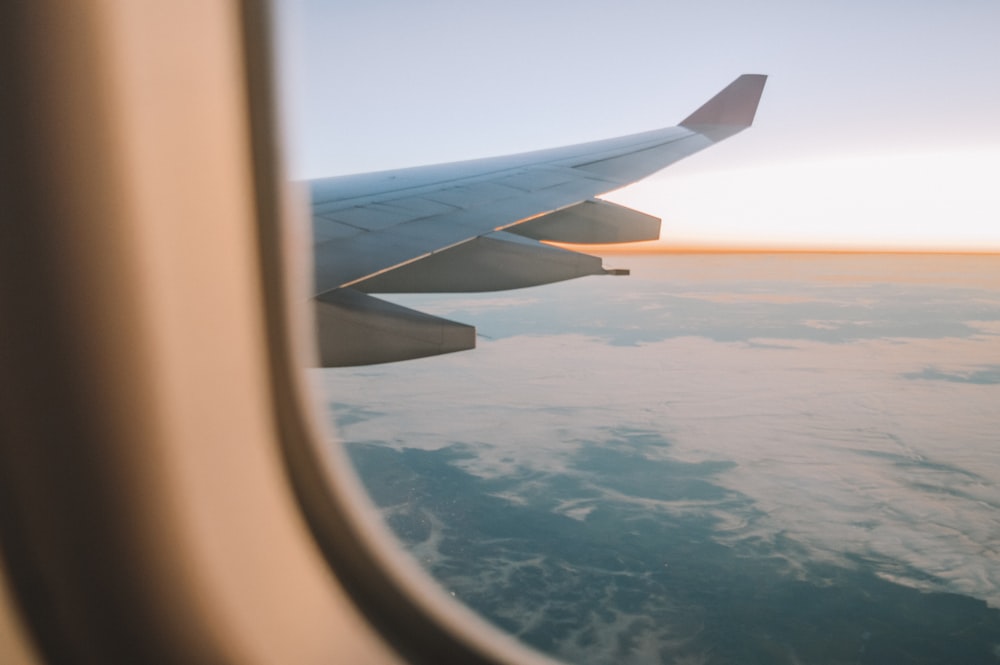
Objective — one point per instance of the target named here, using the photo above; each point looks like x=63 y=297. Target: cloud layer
x=821 y=419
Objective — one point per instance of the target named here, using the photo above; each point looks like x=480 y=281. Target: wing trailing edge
x=495 y=262
x=357 y=329
x=593 y=222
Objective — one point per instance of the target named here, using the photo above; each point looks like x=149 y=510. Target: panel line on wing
x=346 y=262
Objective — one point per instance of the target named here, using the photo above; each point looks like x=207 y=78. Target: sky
x=877 y=128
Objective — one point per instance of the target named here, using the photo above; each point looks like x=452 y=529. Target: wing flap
x=357 y=329
x=493 y=262
x=592 y=222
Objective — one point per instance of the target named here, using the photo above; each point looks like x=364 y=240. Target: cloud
x=835 y=445
x=866 y=435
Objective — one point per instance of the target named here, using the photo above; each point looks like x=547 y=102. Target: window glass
x=772 y=442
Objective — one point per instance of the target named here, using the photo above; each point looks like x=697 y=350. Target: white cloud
x=833 y=444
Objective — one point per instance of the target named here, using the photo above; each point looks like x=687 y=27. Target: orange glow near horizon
x=660 y=247
x=932 y=202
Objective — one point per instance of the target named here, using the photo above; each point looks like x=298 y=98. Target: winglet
x=735 y=106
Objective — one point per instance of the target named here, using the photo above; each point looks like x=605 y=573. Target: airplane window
x=774 y=441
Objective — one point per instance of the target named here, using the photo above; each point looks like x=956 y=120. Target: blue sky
x=878 y=127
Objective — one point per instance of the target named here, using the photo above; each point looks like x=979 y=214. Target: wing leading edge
x=478 y=226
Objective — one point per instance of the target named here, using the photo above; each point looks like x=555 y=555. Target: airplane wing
x=479 y=225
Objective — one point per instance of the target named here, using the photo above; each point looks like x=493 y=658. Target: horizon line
x=611 y=249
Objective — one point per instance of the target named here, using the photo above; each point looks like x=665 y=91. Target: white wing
x=476 y=226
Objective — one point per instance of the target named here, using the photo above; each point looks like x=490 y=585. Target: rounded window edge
x=405 y=605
